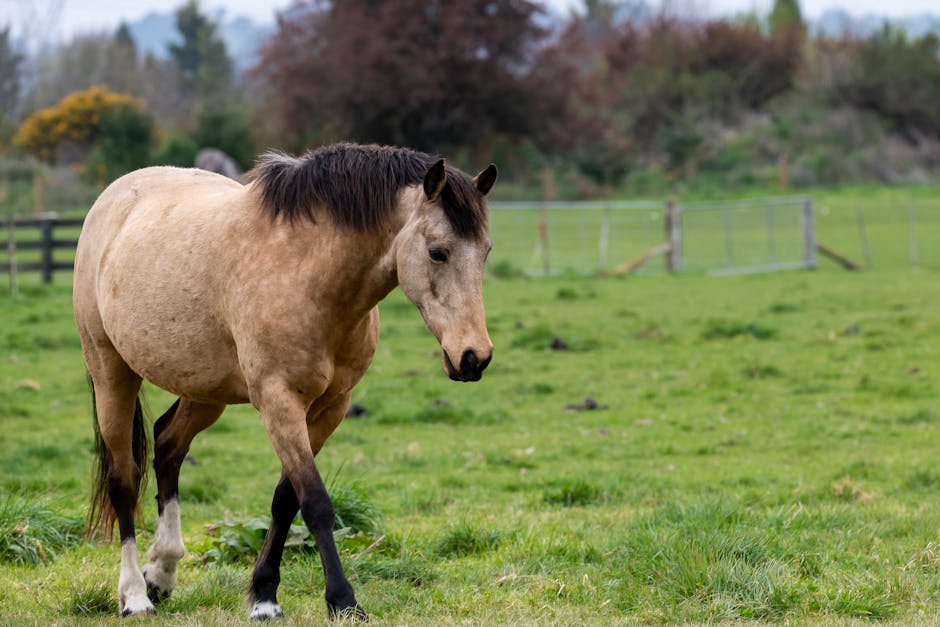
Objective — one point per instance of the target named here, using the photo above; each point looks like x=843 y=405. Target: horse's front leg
x=301 y=487
x=172 y=433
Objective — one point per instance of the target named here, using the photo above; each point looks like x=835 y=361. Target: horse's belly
x=161 y=320
x=182 y=354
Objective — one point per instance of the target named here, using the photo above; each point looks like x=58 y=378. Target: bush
x=229 y=130
x=76 y=119
x=125 y=138
x=897 y=78
x=177 y=150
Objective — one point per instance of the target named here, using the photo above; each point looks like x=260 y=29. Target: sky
x=59 y=20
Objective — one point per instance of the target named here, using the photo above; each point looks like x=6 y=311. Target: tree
x=228 y=129
x=785 y=16
x=89 y=60
x=10 y=61
x=429 y=74
x=201 y=58
x=124 y=142
x=898 y=78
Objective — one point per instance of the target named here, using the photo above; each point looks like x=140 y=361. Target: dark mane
x=358 y=186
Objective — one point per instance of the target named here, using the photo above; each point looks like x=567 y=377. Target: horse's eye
x=437 y=254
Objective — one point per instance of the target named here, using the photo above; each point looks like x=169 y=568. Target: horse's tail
x=101 y=513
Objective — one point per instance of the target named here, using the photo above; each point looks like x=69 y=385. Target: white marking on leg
x=167 y=550
x=132 y=589
x=265 y=610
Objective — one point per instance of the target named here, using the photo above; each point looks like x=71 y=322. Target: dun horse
x=265 y=294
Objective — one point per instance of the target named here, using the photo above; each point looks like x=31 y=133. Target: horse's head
x=440 y=255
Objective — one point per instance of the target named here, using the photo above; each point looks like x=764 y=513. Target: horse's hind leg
x=172 y=434
x=120 y=425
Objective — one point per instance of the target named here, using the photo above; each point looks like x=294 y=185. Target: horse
x=264 y=293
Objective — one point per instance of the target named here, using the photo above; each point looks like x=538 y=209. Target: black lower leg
x=267 y=572
x=318 y=513
x=166 y=464
x=123 y=496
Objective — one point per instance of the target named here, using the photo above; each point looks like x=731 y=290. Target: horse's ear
x=434 y=180
x=485 y=180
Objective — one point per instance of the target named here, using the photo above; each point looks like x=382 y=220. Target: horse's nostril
x=486 y=362
x=469 y=362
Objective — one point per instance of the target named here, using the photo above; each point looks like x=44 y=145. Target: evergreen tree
x=785 y=15
x=201 y=58
x=124 y=40
x=10 y=71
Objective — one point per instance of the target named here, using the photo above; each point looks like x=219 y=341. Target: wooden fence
x=47 y=243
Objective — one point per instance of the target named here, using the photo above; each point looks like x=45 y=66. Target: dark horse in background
x=264 y=293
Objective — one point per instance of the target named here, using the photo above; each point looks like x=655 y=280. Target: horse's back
x=147 y=275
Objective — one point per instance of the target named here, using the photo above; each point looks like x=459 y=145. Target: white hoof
x=138 y=607
x=265 y=610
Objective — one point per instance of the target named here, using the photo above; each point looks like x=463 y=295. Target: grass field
x=762 y=448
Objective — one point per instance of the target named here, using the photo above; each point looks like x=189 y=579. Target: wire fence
x=587 y=238
x=717 y=237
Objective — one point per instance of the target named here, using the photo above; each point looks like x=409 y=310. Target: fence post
x=911 y=234
x=673 y=226
x=808 y=222
x=548 y=194
x=863 y=236
x=38 y=190
x=11 y=253
x=47 y=223
x=604 y=237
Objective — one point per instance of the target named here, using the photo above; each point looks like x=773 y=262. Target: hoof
x=144 y=608
x=265 y=610
x=156 y=594
x=157 y=590
x=352 y=611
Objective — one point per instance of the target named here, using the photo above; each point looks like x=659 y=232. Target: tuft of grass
x=927 y=479
x=919 y=417
x=729 y=329
x=784 y=308
x=758 y=371
x=355 y=511
x=222 y=587
x=467 y=539
x=575 y=492
x=543 y=337
x=389 y=558
x=94 y=601
x=716 y=554
x=504 y=269
x=32 y=532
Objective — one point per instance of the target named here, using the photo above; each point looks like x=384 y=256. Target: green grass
x=763 y=448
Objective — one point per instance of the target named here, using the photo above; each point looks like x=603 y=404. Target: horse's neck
x=357 y=272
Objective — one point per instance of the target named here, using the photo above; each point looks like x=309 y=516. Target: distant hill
x=242 y=36
x=838 y=22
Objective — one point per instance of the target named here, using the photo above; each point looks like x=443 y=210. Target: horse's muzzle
x=471 y=368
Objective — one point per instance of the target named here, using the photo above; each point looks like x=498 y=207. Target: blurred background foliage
x=614 y=99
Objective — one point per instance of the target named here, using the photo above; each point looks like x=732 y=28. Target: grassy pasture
x=763 y=448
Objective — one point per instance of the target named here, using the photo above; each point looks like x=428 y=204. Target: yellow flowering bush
x=75 y=119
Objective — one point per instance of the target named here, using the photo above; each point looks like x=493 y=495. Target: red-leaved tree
x=430 y=74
